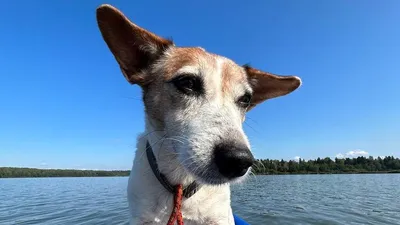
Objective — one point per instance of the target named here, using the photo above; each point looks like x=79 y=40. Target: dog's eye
x=244 y=101
x=188 y=84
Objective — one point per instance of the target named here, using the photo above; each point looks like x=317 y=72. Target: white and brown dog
x=195 y=103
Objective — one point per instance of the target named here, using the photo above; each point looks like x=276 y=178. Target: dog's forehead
x=180 y=60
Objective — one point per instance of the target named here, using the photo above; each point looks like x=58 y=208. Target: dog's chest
x=209 y=206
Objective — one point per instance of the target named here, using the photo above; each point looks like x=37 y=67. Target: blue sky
x=65 y=104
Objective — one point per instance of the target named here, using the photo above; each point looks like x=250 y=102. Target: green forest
x=387 y=164
x=13 y=172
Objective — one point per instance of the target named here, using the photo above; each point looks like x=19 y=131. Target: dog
x=195 y=103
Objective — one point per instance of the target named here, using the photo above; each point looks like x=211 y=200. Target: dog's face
x=200 y=99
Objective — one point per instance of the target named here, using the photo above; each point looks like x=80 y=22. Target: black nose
x=233 y=160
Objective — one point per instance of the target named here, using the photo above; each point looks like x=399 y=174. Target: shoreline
x=333 y=173
x=19 y=172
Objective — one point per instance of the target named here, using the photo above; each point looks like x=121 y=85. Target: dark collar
x=187 y=192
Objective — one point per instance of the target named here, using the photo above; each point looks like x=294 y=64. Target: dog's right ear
x=134 y=48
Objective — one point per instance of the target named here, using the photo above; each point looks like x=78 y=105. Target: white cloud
x=357 y=153
x=297 y=158
x=340 y=155
x=353 y=154
x=43 y=165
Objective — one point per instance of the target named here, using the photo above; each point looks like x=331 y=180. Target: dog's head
x=194 y=94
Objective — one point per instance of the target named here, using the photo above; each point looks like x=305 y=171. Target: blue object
x=239 y=221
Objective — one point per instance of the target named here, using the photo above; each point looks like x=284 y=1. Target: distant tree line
x=8 y=172
x=388 y=164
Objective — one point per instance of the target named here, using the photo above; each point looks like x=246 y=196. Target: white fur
x=183 y=148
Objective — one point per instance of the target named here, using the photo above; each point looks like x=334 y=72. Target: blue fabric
x=239 y=221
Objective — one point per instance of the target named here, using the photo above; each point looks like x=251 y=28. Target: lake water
x=289 y=199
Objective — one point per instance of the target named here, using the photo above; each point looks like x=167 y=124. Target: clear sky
x=65 y=104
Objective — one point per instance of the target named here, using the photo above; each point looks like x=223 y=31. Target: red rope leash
x=176 y=214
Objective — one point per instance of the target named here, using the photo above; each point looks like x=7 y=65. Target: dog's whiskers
x=253 y=175
x=174 y=139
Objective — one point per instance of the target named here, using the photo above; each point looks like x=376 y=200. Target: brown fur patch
x=180 y=57
x=232 y=74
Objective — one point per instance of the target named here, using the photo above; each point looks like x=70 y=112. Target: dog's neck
x=157 y=137
x=151 y=203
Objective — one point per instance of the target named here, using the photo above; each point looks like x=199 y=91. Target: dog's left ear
x=267 y=85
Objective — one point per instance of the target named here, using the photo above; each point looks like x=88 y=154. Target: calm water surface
x=297 y=199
